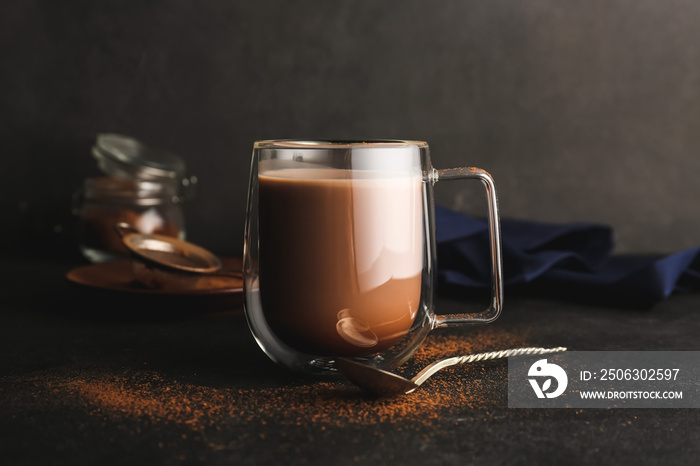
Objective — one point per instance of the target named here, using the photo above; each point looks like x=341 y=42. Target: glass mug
x=340 y=255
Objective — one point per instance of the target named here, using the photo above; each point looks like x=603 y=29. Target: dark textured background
x=582 y=111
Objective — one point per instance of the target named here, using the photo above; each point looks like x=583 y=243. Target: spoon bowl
x=169 y=253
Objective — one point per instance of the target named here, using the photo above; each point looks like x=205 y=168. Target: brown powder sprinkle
x=156 y=399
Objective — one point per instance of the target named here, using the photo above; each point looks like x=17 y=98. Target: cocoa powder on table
x=160 y=400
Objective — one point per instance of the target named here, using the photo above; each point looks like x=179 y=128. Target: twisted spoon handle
x=509 y=353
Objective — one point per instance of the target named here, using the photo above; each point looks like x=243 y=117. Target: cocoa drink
x=341 y=254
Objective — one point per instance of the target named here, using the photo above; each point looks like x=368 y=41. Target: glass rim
x=337 y=143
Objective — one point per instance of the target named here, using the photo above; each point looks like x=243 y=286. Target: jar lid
x=125 y=157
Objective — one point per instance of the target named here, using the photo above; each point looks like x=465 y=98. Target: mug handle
x=494 y=309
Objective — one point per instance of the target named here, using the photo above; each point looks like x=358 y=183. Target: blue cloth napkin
x=572 y=261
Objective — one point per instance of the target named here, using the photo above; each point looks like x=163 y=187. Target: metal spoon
x=381 y=382
x=171 y=253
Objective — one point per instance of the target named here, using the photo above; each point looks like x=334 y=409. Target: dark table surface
x=102 y=378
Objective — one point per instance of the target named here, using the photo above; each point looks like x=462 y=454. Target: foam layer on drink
x=340 y=257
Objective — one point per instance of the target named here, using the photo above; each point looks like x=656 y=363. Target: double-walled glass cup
x=340 y=256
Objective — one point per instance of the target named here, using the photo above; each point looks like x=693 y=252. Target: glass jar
x=143 y=187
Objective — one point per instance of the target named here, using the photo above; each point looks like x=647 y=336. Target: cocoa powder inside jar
x=147 y=206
